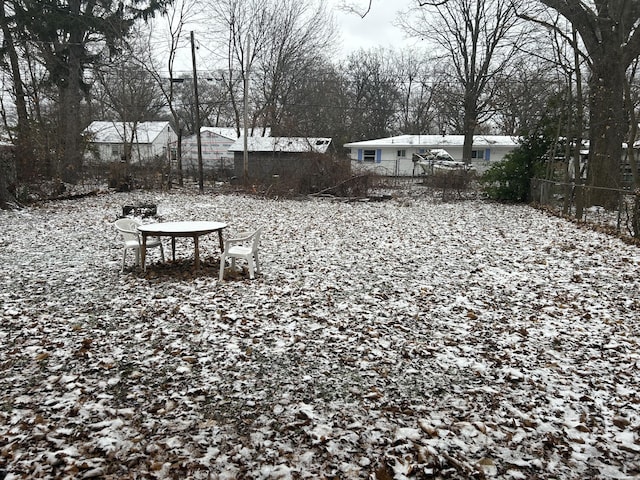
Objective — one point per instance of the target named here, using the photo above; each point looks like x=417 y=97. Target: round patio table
x=180 y=229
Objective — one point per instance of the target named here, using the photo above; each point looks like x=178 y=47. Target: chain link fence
x=572 y=200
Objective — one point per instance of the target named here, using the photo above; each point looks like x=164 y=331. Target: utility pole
x=245 y=170
x=197 y=115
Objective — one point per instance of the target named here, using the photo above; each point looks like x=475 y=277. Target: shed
x=278 y=157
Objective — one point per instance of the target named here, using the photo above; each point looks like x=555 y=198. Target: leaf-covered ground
x=386 y=340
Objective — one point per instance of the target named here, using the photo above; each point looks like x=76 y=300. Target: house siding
x=151 y=142
x=215 y=151
x=387 y=161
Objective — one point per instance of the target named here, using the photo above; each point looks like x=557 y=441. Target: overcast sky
x=375 y=29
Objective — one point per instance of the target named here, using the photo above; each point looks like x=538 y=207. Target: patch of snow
x=381 y=340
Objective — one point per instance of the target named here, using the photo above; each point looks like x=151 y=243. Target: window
x=116 y=150
x=477 y=154
x=369 y=156
x=402 y=153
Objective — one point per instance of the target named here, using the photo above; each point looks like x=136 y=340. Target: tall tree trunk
x=7 y=178
x=608 y=127
x=69 y=88
x=69 y=162
x=470 y=122
x=631 y=156
x=579 y=129
x=24 y=157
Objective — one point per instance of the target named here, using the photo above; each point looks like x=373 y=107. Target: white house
x=394 y=155
x=149 y=140
x=215 y=143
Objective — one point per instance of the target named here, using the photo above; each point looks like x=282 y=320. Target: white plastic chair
x=244 y=246
x=128 y=229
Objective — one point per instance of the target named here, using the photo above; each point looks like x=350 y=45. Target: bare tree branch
x=421 y=3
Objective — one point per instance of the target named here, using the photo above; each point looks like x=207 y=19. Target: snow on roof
x=231 y=132
x=115 y=132
x=282 y=144
x=435 y=141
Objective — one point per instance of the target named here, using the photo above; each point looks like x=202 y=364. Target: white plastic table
x=180 y=229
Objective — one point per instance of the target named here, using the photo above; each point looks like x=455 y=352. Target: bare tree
x=240 y=28
x=162 y=61
x=23 y=140
x=372 y=86
x=419 y=80
x=610 y=32
x=296 y=42
x=521 y=94
x=479 y=38
x=279 y=42
x=317 y=106
x=632 y=104
x=129 y=94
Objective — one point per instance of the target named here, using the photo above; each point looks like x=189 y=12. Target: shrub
x=510 y=179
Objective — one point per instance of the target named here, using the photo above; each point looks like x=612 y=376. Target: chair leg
x=162 y=252
x=222 y=262
x=124 y=257
x=255 y=256
x=252 y=273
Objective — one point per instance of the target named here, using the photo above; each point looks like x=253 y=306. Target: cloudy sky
x=375 y=29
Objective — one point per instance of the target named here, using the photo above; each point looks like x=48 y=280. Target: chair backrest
x=247 y=239
x=255 y=240
x=128 y=228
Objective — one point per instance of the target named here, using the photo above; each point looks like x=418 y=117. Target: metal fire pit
x=142 y=210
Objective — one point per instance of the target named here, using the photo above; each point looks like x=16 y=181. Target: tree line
x=494 y=66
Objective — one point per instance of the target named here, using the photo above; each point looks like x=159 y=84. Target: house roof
x=114 y=132
x=282 y=144
x=438 y=141
x=231 y=132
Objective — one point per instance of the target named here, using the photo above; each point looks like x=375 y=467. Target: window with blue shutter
x=369 y=156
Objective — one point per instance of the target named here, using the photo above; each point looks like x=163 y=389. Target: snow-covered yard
x=387 y=340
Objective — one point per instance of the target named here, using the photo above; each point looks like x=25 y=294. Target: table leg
x=197 y=248
x=143 y=253
x=221 y=240
x=173 y=248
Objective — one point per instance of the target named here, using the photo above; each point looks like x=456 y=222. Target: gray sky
x=375 y=29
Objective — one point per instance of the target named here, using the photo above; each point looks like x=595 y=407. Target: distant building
x=278 y=157
x=148 y=140
x=215 y=143
x=394 y=155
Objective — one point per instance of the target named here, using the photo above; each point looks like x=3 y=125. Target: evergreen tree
x=70 y=37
